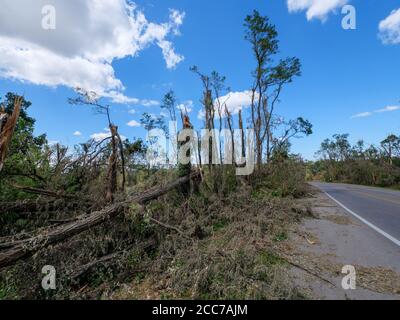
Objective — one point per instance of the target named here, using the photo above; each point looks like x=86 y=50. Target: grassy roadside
x=207 y=246
x=235 y=259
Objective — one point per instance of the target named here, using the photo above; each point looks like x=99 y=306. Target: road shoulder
x=321 y=246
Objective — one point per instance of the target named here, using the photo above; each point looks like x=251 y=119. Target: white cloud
x=315 y=9
x=201 y=115
x=53 y=142
x=119 y=97
x=100 y=136
x=171 y=58
x=186 y=106
x=370 y=113
x=132 y=111
x=235 y=101
x=104 y=135
x=89 y=36
x=77 y=134
x=389 y=28
x=362 y=115
x=150 y=103
x=388 y=109
x=133 y=123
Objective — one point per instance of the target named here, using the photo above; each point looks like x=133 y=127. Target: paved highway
x=376 y=207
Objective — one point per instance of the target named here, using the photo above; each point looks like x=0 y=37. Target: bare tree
x=90 y=98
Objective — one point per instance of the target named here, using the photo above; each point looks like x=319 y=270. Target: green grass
x=220 y=224
x=280 y=237
x=268 y=259
x=8 y=291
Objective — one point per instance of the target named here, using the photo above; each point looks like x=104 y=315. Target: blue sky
x=345 y=72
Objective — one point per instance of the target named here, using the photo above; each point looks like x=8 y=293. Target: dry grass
x=220 y=246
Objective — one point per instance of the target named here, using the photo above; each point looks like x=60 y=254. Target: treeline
x=373 y=165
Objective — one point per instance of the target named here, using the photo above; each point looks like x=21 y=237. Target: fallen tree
x=25 y=248
x=46 y=193
x=108 y=259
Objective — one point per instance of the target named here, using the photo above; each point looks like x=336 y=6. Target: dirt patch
x=342 y=220
x=319 y=248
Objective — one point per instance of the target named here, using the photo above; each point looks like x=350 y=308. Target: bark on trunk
x=7 y=130
x=112 y=167
x=26 y=248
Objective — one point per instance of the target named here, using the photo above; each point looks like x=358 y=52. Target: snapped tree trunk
x=242 y=134
x=25 y=248
x=7 y=130
x=112 y=167
x=184 y=170
x=123 y=169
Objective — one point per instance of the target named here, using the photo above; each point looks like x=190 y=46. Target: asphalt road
x=376 y=207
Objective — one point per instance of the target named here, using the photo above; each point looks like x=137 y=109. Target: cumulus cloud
x=201 y=115
x=53 y=142
x=89 y=36
x=234 y=101
x=187 y=106
x=150 y=103
x=77 y=133
x=104 y=135
x=370 y=113
x=389 y=28
x=133 y=124
x=315 y=9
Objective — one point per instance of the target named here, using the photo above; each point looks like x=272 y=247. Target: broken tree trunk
x=112 y=167
x=242 y=134
x=47 y=193
x=123 y=169
x=7 y=130
x=185 y=169
x=26 y=248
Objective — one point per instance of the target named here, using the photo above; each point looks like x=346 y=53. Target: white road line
x=386 y=235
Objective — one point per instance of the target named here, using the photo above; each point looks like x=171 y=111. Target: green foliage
x=8 y=289
x=281 y=236
x=25 y=162
x=220 y=224
x=269 y=259
x=262 y=34
x=169 y=104
x=342 y=162
x=283 y=177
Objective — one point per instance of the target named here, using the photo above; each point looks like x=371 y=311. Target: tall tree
x=169 y=104
x=269 y=78
x=391 y=147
